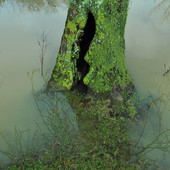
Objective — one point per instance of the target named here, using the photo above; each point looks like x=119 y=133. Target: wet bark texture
x=92 y=49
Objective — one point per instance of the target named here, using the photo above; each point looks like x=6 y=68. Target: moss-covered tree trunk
x=92 y=52
x=92 y=58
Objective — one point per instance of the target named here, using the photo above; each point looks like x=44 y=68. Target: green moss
x=81 y=22
x=62 y=73
x=131 y=110
x=71 y=25
x=106 y=55
x=100 y=17
x=70 y=37
x=67 y=81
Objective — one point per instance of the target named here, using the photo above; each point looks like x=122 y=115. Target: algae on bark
x=92 y=51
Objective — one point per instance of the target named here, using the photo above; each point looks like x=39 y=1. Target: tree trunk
x=92 y=49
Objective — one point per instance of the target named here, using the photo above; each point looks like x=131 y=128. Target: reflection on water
x=164 y=7
x=38 y=5
x=19 y=54
x=147 y=51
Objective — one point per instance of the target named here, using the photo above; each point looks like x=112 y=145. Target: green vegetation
x=102 y=141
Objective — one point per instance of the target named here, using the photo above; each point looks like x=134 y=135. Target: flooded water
x=21 y=28
x=148 y=58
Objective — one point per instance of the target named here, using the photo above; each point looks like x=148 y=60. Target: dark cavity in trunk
x=82 y=66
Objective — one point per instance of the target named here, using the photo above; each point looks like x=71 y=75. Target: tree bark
x=92 y=51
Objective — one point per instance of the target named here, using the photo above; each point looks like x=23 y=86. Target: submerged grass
x=94 y=138
x=90 y=135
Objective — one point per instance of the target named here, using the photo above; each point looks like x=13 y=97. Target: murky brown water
x=20 y=29
x=147 y=54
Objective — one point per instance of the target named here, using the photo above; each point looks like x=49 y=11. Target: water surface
x=21 y=29
x=148 y=58
x=22 y=25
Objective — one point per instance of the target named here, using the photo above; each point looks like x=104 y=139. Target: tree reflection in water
x=163 y=6
x=37 y=5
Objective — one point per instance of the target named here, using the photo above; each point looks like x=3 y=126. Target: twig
x=166 y=71
x=43 y=46
x=153 y=142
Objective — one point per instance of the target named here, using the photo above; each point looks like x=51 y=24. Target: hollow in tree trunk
x=92 y=48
